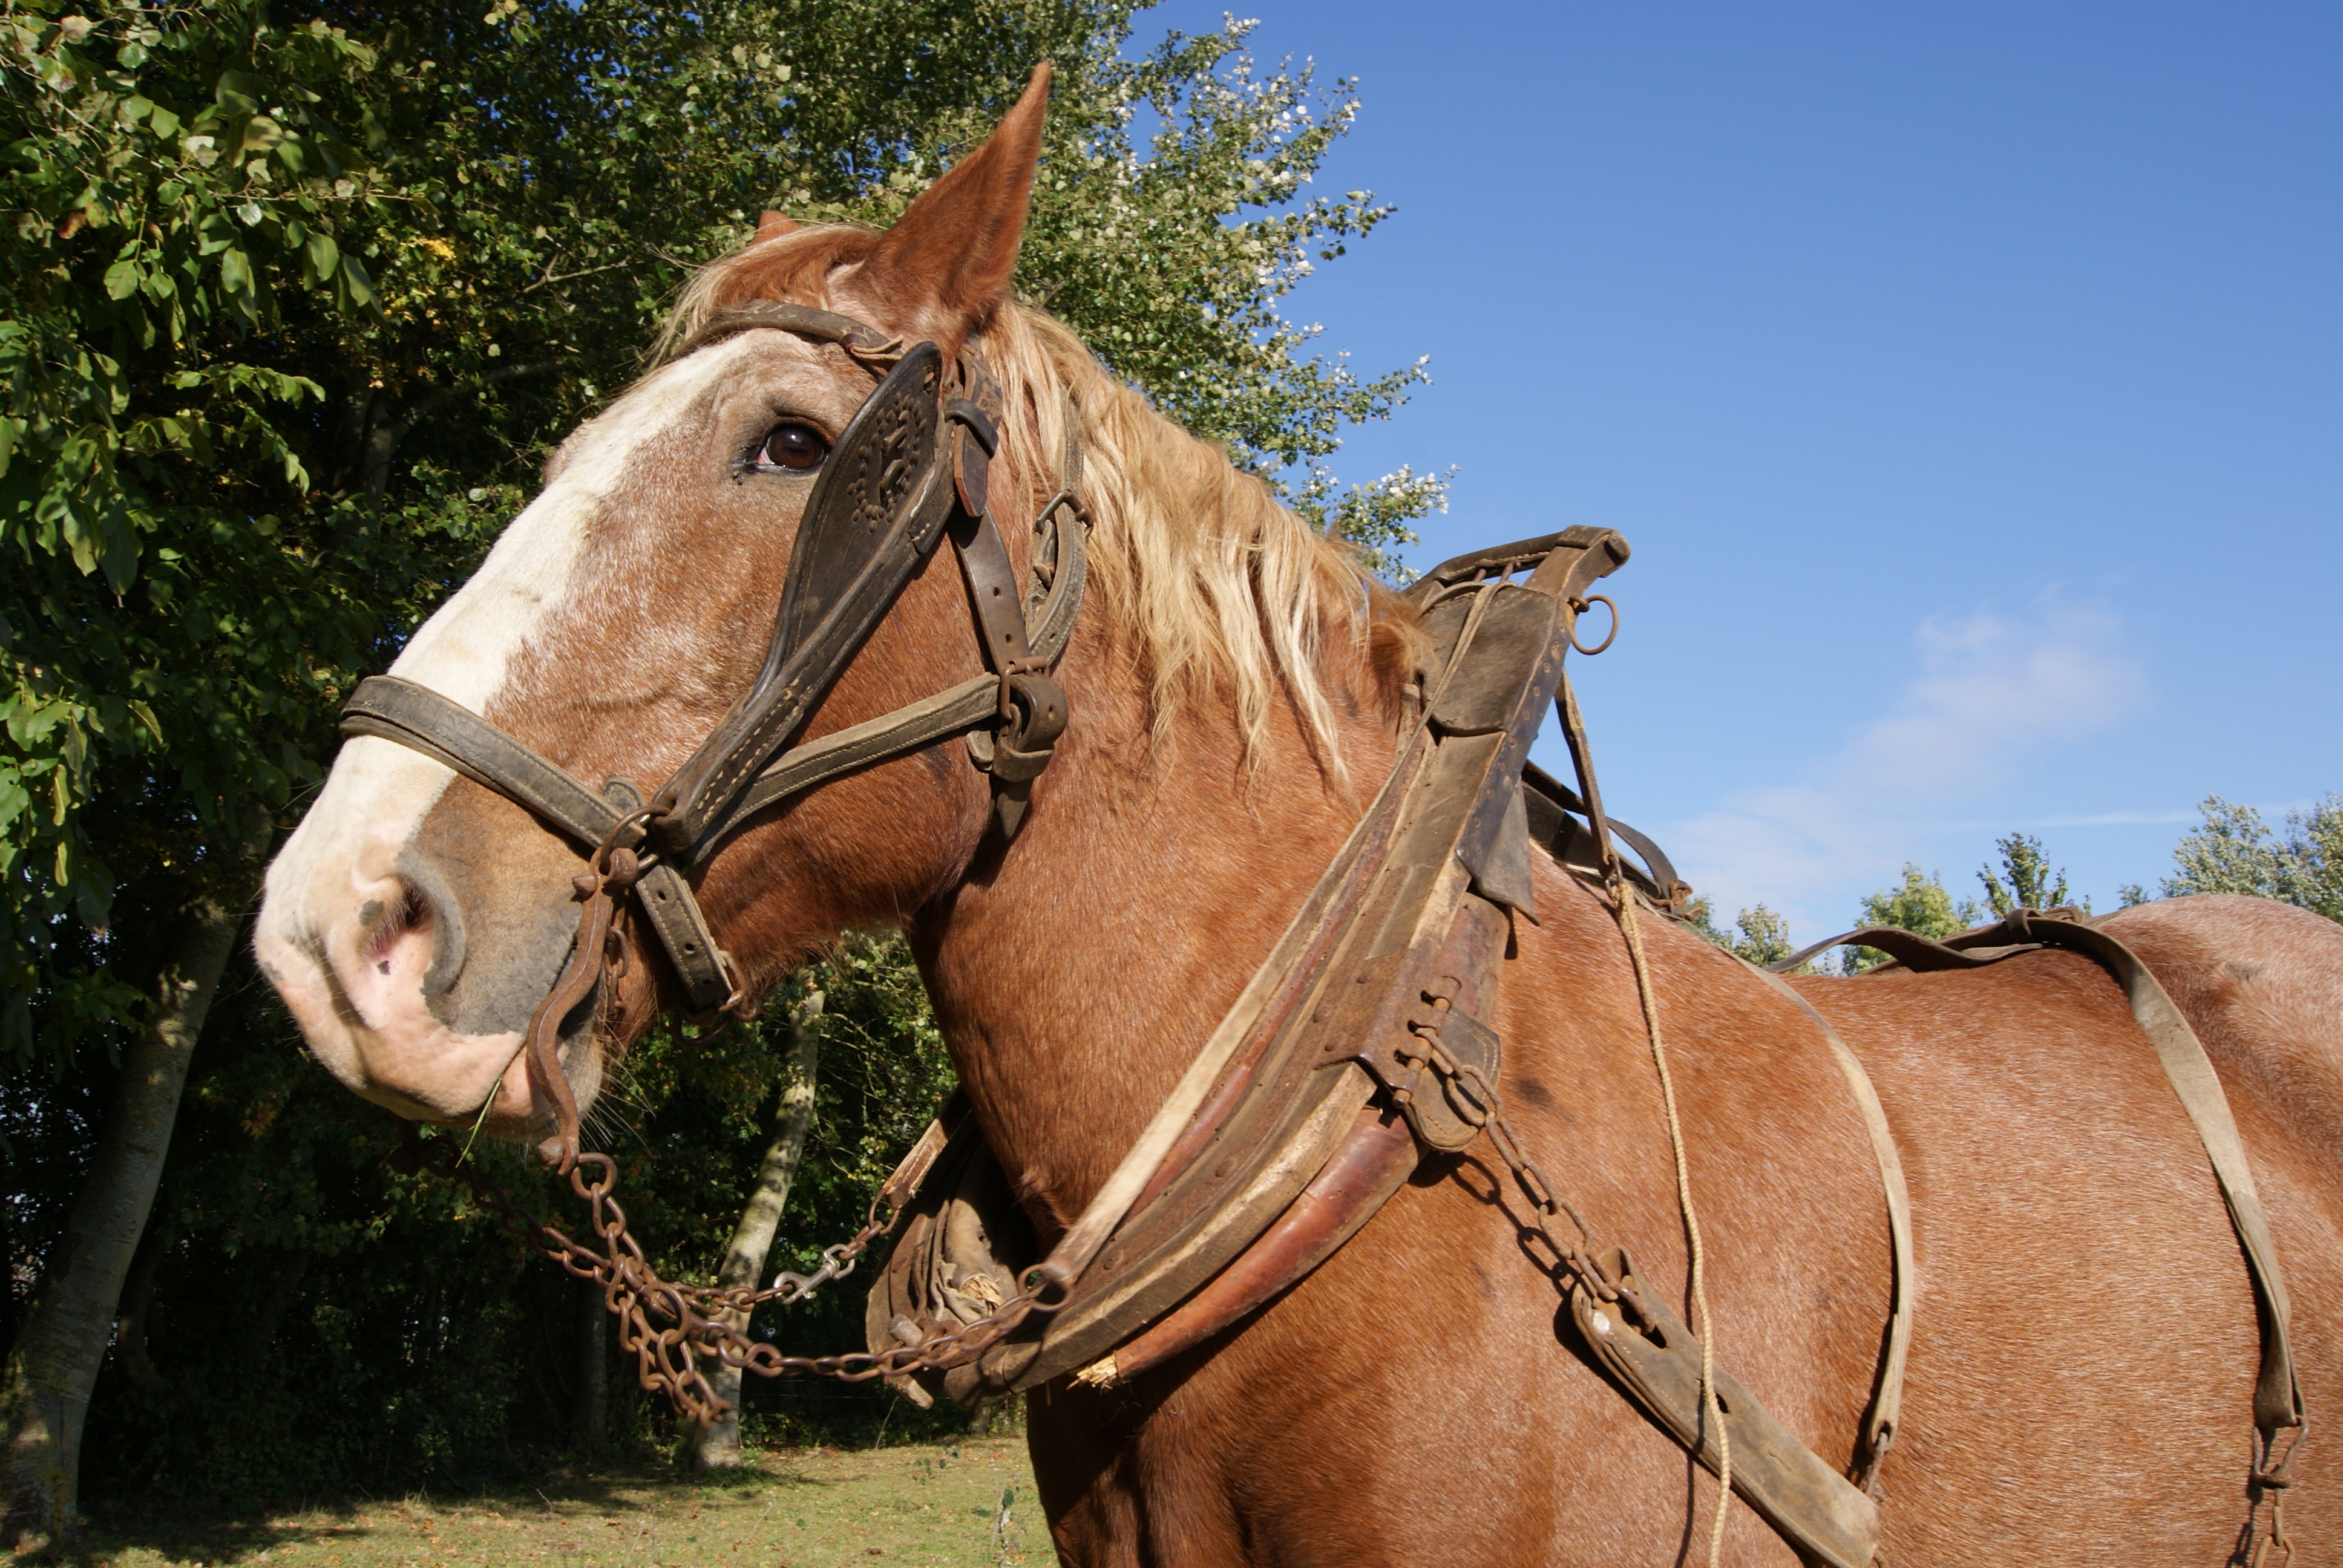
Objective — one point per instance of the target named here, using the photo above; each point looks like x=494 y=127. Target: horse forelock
x=1220 y=598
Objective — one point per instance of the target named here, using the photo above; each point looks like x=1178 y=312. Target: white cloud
x=1994 y=698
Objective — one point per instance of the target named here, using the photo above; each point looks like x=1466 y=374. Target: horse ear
x=771 y=225
x=946 y=264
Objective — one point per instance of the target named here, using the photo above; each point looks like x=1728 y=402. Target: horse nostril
x=385 y=920
x=414 y=910
x=430 y=902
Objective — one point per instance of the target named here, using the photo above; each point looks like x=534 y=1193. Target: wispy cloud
x=2096 y=819
x=1995 y=698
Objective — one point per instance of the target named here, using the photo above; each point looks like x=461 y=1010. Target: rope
x=1623 y=903
x=1710 y=1413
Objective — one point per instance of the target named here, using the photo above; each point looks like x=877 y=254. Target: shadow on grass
x=619 y=1512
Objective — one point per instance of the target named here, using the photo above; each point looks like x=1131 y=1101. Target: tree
x=717 y=1447
x=159 y=644
x=2233 y=851
x=52 y=1365
x=1920 y=904
x=1759 y=935
x=293 y=315
x=2031 y=884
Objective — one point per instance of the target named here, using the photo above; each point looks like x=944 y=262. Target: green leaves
x=2233 y=851
x=2031 y=884
x=320 y=256
x=354 y=290
x=236 y=272
x=1761 y=936
x=164 y=307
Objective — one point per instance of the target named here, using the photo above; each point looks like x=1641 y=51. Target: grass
x=964 y=1502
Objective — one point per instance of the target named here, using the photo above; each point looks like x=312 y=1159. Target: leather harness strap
x=1886 y=1410
x=1365 y=1018
x=2278 y=1393
x=1353 y=1052
x=882 y=498
x=865 y=344
x=1031 y=708
x=420 y=719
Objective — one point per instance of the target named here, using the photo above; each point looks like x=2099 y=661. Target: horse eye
x=792 y=444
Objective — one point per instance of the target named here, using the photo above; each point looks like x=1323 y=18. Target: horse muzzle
x=414 y=967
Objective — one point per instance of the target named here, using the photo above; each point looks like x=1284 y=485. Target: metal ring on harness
x=600 y=860
x=1067 y=496
x=1580 y=605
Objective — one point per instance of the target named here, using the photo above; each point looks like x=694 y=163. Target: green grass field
x=798 y=1508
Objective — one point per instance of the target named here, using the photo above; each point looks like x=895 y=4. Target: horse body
x=2085 y=1340
x=2082 y=1370
x=2083 y=1364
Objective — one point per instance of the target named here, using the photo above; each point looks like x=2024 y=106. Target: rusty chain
x=1546 y=1204
x=669 y=1359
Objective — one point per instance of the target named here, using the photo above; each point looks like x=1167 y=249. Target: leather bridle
x=911 y=467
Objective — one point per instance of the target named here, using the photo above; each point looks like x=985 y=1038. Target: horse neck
x=1075 y=983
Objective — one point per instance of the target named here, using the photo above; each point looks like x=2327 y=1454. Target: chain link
x=1545 y=1203
x=691 y=1328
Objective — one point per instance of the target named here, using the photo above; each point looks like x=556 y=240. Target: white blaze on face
x=330 y=936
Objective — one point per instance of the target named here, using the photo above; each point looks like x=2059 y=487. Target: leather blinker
x=873 y=517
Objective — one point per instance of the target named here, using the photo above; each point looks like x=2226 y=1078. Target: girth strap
x=2277 y=1395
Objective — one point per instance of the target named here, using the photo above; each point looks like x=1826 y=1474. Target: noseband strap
x=911 y=465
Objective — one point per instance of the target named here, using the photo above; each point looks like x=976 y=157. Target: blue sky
x=1968 y=380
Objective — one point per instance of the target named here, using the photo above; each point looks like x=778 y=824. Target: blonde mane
x=1206 y=582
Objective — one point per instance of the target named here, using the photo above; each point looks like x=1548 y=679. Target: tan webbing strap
x=1880 y=1420
x=2277 y=1395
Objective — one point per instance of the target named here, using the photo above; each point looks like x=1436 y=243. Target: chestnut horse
x=2082 y=1369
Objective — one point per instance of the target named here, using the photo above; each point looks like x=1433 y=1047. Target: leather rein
x=911 y=467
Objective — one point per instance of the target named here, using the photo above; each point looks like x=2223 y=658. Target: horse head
x=417 y=921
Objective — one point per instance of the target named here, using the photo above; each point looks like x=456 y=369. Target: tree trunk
x=718 y=1447
x=137 y=1312
x=45 y=1386
x=590 y=1407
